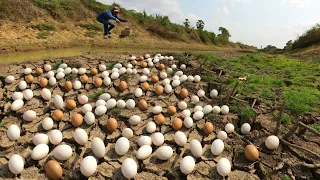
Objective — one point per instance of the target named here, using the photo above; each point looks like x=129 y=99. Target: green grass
x=111 y=64
x=245 y=111
x=316 y=127
x=90 y=34
x=96 y=94
x=43 y=35
x=91 y=27
x=57 y=64
x=70 y=77
x=2 y=125
x=43 y=27
x=285 y=177
x=285 y=118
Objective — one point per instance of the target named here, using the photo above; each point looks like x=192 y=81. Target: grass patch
x=96 y=94
x=44 y=35
x=90 y=34
x=316 y=127
x=285 y=177
x=91 y=27
x=245 y=111
x=114 y=111
x=285 y=118
x=111 y=64
x=57 y=64
x=43 y=27
x=70 y=77
x=2 y=125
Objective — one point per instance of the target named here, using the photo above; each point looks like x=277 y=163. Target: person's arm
x=122 y=20
x=111 y=16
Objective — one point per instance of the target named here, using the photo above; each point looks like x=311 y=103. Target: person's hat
x=116 y=9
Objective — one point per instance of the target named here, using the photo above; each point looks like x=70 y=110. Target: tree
x=288 y=45
x=200 y=25
x=186 y=23
x=223 y=37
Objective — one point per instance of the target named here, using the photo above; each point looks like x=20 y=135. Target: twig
x=228 y=96
x=242 y=138
x=220 y=72
x=299 y=147
x=208 y=70
x=309 y=128
x=276 y=131
x=180 y=156
x=163 y=101
x=292 y=130
x=34 y=65
x=81 y=155
x=254 y=103
x=239 y=99
x=311 y=166
x=234 y=88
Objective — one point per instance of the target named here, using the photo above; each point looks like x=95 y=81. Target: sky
x=253 y=22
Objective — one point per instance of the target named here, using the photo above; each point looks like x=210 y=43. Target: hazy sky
x=254 y=22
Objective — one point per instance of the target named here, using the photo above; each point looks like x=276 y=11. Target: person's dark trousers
x=108 y=26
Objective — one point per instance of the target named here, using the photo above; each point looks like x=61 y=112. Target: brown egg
x=123 y=86
x=141 y=58
x=53 y=170
x=143 y=105
x=68 y=86
x=77 y=120
x=251 y=152
x=158 y=89
x=134 y=62
x=71 y=104
x=57 y=115
x=97 y=82
x=29 y=79
x=145 y=86
x=144 y=64
x=94 y=71
x=154 y=79
x=184 y=93
x=39 y=71
x=84 y=79
x=177 y=124
x=171 y=110
x=159 y=119
x=112 y=124
x=162 y=66
x=43 y=82
x=208 y=128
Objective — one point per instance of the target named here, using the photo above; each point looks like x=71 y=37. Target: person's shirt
x=108 y=15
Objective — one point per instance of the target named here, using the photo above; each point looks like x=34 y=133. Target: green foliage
x=111 y=64
x=186 y=23
x=285 y=177
x=316 y=127
x=95 y=5
x=309 y=38
x=58 y=8
x=70 y=77
x=43 y=35
x=200 y=25
x=285 y=118
x=57 y=64
x=96 y=94
x=43 y=26
x=91 y=27
x=90 y=34
x=244 y=111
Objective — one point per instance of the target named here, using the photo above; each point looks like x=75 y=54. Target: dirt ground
x=282 y=163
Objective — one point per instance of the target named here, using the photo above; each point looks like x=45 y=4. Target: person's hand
x=118 y=21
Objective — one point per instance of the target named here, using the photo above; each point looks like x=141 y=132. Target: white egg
x=138 y=92
x=67 y=70
x=98 y=147
x=182 y=105
x=168 y=88
x=132 y=58
x=62 y=152
x=201 y=93
x=216 y=109
x=196 y=148
x=161 y=58
x=58 y=102
x=129 y=71
x=224 y=109
x=55 y=136
x=173 y=66
x=17 y=105
x=180 y=138
x=156 y=60
x=16 y=164
x=223 y=167
x=157 y=110
x=105 y=74
x=27 y=94
x=47 y=123
x=217 y=147
x=77 y=85
x=171 y=58
x=129 y=168
x=166 y=58
x=169 y=70
x=107 y=81
x=88 y=166
x=40 y=138
x=13 y=132
x=213 y=93
x=9 y=79
x=198 y=115
x=175 y=83
x=115 y=70
x=63 y=65
x=118 y=65
x=100 y=102
x=60 y=70
x=187 y=165
x=178 y=73
x=188 y=122
x=134 y=71
x=80 y=136
x=151 y=127
x=130 y=104
x=144 y=140
x=40 y=151
x=127 y=132
x=185 y=113
x=197 y=108
x=75 y=71
x=46 y=94
x=134 y=120
x=52 y=81
x=143 y=78
x=146 y=71
x=129 y=65
x=272 y=142
x=164 y=152
x=195 y=99
x=17 y=95
x=166 y=81
x=47 y=67
x=100 y=110
x=245 y=128
x=163 y=75
x=222 y=135
x=115 y=75
x=229 y=128
x=27 y=71
x=207 y=109
x=197 y=78
x=122 y=146
x=144 y=152
x=82 y=71
x=122 y=70
x=29 y=115
x=111 y=103
x=105 y=96
x=83 y=99
x=190 y=78
x=157 y=138
x=102 y=67
x=121 y=104
x=89 y=118
x=60 y=75
x=183 y=78
x=176 y=77
x=86 y=108
x=50 y=74
x=150 y=64
x=22 y=85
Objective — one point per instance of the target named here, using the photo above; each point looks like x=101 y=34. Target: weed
x=75 y=64
x=96 y=94
x=114 y=111
x=285 y=118
x=244 y=111
x=70 y=77
x=91 y=27
x=2 y=125
x=57 y=64
x=125 y=76
x=111 y=64
x=316 y=127
x=43 y=35
x=43 y=27
x=90 y=34
x=285 y=177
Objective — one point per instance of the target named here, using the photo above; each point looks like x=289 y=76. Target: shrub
x=309 y=38
x=43 y=26
x=91 y=27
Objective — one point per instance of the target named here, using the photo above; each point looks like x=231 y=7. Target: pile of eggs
x=142 y=66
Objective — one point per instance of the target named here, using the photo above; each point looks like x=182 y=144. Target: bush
x=309 y=38
x=43 y=26
x=91 y=27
